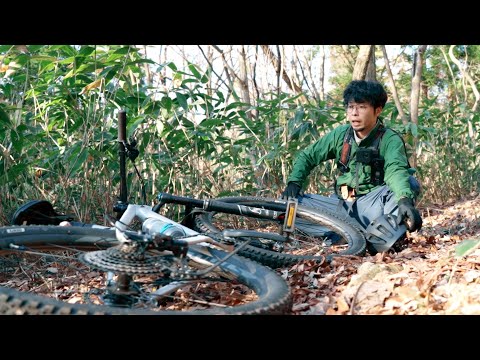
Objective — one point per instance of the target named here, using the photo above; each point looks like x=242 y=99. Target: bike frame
x=143 y=213
x=273 y=211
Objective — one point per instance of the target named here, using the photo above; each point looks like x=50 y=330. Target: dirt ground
x=439 y=272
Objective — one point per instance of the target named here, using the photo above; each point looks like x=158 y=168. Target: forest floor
x=439 y=272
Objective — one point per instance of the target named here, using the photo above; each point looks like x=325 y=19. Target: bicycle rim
x=39 y=263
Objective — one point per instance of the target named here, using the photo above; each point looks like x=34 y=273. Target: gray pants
x=366 y=208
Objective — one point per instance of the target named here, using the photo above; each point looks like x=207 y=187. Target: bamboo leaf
x=414 y=129
x=182 y=100
x=76 y=161
x=160 y=126
x=465 y=246
x=44 y=58
x=194 y=71
x=4 y=119
x=14 y=172
x=97 y=83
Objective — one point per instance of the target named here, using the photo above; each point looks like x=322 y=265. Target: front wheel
x=345 y=237
x=42 y=274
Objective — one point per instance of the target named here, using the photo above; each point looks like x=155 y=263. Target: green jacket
x=330 y=147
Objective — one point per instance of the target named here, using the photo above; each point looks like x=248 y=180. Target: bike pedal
x=290 y=214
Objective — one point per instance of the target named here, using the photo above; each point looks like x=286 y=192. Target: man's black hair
x=362 y=91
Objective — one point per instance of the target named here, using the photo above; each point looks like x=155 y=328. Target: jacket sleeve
x=323 y=149
x=396 y=165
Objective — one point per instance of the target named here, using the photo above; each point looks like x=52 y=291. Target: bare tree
x=242 y=78
x=277 y=64
x=345 y=51
x=415 y=94
x=322 y=72
x=451 y=73
x=209 y=58
x=254 y=75
x=394 y=88
x=308 y=65
x=146 y=68
x=467 y=76
x=371 y=68
x=362 y=63
x=229 y=72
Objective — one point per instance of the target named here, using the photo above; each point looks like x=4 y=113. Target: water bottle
x=152 y=225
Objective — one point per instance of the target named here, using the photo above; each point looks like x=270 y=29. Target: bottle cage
x=383 y=232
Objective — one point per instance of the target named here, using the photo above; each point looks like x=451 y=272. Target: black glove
x=408 y=213
x=292 y=190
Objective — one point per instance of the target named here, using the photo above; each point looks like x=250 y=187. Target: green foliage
x=466 y=247
x=58 y=131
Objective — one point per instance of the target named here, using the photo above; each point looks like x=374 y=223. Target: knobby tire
x=347 y=230
x=273 y=293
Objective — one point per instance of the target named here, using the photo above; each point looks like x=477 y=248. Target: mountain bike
x=271 y=237
x=144 y=263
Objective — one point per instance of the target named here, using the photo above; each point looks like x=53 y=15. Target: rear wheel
x=345 y=238
x=42 y=273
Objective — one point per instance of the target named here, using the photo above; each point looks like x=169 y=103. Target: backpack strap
x=347 y=146
x=378 y=136
x=345 y=155
x=348 y=139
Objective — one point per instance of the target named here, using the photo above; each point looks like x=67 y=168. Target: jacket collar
x=371 y=136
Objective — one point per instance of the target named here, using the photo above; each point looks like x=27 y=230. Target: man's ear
x=378 y=110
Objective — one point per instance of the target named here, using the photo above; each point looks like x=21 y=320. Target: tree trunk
x=415 y=94
x=467 y=76
x=394 y=88
x=322 y=73
x=277 y=66
x=242 y=78
x=371 y=69
x=455 y=92
x=364 y=63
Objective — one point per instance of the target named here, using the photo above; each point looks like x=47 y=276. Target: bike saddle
x=38 y=212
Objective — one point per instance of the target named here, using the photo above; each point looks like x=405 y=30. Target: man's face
x=362 y=117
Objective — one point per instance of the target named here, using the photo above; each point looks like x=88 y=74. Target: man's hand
x=408 y=213
x=292 y=190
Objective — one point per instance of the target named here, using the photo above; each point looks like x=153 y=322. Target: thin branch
x=276 y=64
x=451 y=73
x=211 y=67
x=254 y=74
x=227 y=72
x=225 y=63
x=314 y=91
x=467 y=76
x=394 y=88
